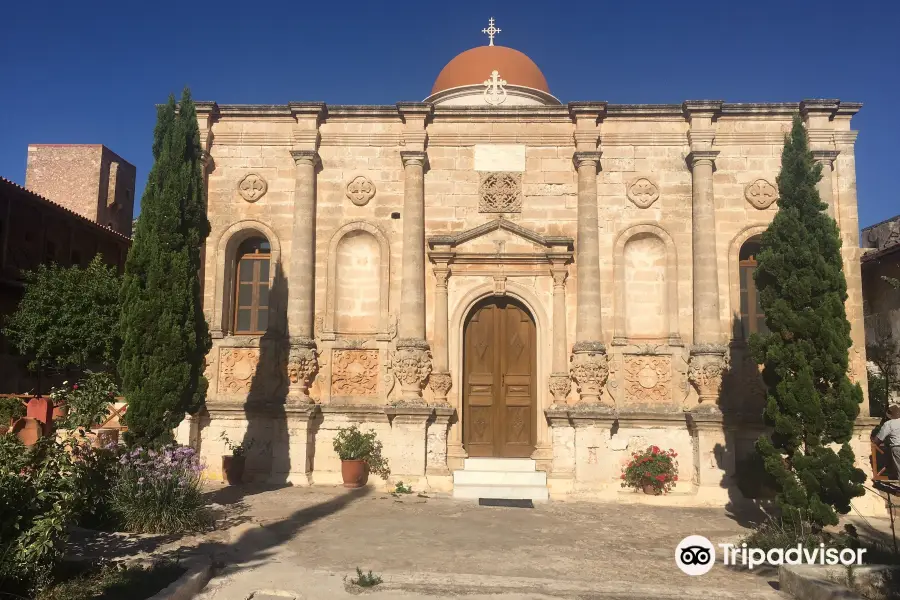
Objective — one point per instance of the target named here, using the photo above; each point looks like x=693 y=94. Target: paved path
x=303 y=543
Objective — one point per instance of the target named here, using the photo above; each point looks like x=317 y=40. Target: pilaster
x=560 y=386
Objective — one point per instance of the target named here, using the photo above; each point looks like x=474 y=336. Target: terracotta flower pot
x=651 y=490
x=233 y=467
x=60 y=411
x=355 y=473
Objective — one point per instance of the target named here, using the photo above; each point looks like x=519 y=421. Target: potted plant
x=11 y=410
x=233 y=464
x=360 y=454
x=87 y=402
x=653 y=471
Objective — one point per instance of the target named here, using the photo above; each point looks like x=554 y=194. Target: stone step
x=534 y=478
x=499 y=464
x=535 y=493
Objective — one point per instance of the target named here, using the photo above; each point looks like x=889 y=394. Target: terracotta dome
x=474 y=66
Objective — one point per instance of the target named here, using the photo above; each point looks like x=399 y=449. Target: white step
x=499 y=464
x=535 y=493
x=499 y=478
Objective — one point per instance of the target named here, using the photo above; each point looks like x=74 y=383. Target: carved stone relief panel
x=500 y=193
x=648 y=379
x=761 y=194
x=237 y=366
x=354 y=373
x=643 y=192
x=252 y=187
x=360 y=190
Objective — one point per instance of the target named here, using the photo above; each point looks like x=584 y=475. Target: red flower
x=623 y=475
x=75 y=387
x=654 y=450
x=675 y=478
x=660 y=477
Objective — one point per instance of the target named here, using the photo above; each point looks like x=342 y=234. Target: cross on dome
x=491 y=31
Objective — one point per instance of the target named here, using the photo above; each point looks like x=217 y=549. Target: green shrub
x=351 y=444
x=10 y=410
x=366 y=580
x=87 y=400
x=158 y=492
x=40 y=498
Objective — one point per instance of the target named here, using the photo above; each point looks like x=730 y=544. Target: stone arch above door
x=620 y=334
x=329 y=328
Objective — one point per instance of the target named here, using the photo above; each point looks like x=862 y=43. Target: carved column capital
x=702 y=157
x=826 y=157
x=589 y=370
x=707 y=366
x=302 y=367
x=560 y=386
x=440 y=384
x=411 y=364
x=441 y=275
x=559 y=277
x=586 y=158
x=414 y=158
x=305 y=157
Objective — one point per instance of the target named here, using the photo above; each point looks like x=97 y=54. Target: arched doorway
x=500 y=376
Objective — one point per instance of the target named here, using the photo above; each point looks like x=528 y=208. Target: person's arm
x=884 y=431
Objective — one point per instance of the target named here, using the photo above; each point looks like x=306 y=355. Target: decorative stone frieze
x=252 y=187
x=707 y=366
x=643 y=192
x=648 y=379
x=500 y=193
x=360 y=190
x=411 y=364
x=590 y=370
x=761 y=194
x=302 y=365
x=237 y=368
x=354 y=373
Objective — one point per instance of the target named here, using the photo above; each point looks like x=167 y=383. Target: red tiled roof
x=13 y=187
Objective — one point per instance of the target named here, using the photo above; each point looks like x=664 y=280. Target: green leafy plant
x=158 y=491
x=351 y=444
x=11 y=408
x=165 y=337
x=366 y=580
x=239 y=449
x=653 y=467
x=40 y=498
x=88 y=401
x=400 y=488
x=811 y=404
x=67 y=318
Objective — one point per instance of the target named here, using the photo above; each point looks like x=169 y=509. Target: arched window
x=752 y=318
x=251 y=304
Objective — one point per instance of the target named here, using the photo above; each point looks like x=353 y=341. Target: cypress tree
x=811 y=403
x=165 y=337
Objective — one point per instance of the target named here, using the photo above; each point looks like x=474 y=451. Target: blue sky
x=91 y=72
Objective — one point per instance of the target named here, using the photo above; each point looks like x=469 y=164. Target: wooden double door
x=499 y=397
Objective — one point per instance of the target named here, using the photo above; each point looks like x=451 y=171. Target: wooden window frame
x=255 y=256
x=749 y=319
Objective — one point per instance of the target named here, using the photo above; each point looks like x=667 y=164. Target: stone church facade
x=494 y=273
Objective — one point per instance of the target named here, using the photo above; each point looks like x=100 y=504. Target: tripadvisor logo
x=696 y=555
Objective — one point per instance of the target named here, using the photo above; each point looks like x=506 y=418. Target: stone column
x=439 y=380
x=559 y=377
x=589 y=365
x=826 y=190
x=302 y=361
x=707 y=364
x=411 y=361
